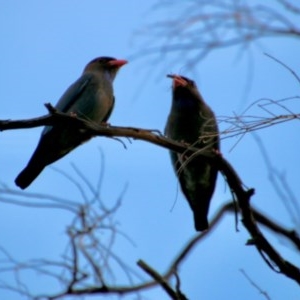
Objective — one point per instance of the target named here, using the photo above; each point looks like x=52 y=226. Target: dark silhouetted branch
x=257 y=238
x=161 y=281
x=89 y=225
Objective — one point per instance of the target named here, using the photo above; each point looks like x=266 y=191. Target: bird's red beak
x=177 y=80
x=118 y=63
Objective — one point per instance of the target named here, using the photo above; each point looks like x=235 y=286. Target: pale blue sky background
x=44 y=48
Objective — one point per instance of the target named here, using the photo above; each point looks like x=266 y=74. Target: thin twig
x=161 y=281
x=284 y=65
x=265 y=294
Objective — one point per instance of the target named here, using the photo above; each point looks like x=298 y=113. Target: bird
x=90 y=97
x=191 y=121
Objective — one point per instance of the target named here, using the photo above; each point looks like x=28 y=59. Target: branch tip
x=51 y=109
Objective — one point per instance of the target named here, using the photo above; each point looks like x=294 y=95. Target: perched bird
x=91 y=98
x=193 y=122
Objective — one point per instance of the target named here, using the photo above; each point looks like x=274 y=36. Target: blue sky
x=45 y=46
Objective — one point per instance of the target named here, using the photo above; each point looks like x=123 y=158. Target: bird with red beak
x=90 y=97
x=192 y=122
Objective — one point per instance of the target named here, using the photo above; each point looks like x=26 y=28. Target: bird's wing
x=70 y=96
x=73 y=93
x=178 y=163
x=110 y=111
x=197 y=177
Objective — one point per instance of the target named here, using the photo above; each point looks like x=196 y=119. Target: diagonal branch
x=258 y=239
x=161 y=281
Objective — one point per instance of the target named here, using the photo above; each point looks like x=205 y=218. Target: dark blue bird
x=193 y=122
x=90 y=97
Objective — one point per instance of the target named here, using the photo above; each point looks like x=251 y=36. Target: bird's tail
x=28 y=175
x=201 y=222
x=200 y=218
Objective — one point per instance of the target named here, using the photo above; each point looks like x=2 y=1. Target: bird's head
x=183 y=86
x=105 y=64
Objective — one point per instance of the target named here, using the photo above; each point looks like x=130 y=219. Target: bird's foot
x=73 y=114
x=105 y=124
x=217 y=152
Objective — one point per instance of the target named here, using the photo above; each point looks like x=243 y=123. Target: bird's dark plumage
x=193 y=122
x=90 y=97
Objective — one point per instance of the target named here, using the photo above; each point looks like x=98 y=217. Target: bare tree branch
x=161 y=281
x=86 y=223
x=258 y=239
x=284 y=65
x=79 y=275
x=265 y=294
x=201 y=26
